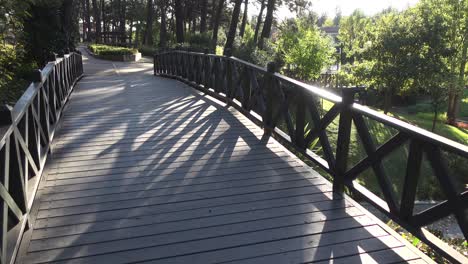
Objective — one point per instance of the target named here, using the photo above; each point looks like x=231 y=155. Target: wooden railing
x=294 y=112
x=26 y=131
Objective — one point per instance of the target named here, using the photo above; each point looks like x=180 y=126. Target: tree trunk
x=259 y=21
x=162 y=31
x=84 y=27
x=434 y=121
x=122 y=28
x=213 y=14
x=179 y=17
x=233 y=25
x=454 y=97
x=97 y=21
x=194 y=24
x=130 y=33
x=219 y=11
x=137 y=35
x=388 y=100
x=88 y=21
x=244 y=18
x=104 y=21
x=268 y=23
x=203 y=13
x=67 y=23
x=148 y=35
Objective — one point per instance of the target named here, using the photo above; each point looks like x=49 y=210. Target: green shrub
x=201 y=40
x=15 y=73
x=147 y=51
x=100 y=49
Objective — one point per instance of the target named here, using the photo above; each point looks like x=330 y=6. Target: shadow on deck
x=146 y=169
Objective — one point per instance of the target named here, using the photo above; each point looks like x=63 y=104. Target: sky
x=329 y=7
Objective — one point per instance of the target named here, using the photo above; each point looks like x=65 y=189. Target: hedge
x=100 y=49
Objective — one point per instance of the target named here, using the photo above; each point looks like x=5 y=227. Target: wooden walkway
x=146 y=169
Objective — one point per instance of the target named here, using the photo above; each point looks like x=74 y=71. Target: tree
x=394 y=52
x=97 y=21
x=233 y=25
x=179 y=17
x=354 y=34
x=86 y=20
x=338 y=17
x=122 y=7
x=148 y=34
x=306 y=51
x=244 y=18
x=268 y=22
x=203 y=15
x=432 y=73
x=162 y=30
x=259 y=20
x=457 y=19
x=219 y=11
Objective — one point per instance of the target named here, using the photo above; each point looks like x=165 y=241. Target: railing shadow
x=288 y=109
x=163 y=180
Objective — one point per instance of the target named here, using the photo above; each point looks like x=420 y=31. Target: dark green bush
x=15 y=73
x=100 y=49
x=147 y=51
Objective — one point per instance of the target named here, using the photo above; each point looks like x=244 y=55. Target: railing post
x=5 y=115
x=206 y=70
x=154 y=64
x=36 y=76
x=52 y=57
x=269 y=97
x=344 y=135
x=228 y=69
x=300 y=120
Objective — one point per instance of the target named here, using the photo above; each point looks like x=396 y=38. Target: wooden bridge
x=143 y=168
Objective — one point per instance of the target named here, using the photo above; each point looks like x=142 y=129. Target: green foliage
x=219 y=50
x=246 y=49
x=147 y=50
x=464 y=105
x=355 y=34
x=12 y=13
x=46 y=30
x=399 y=53
x=14 y=73
x=100 y=49
x=199 y=41
x=307 y=52
x=221 y=37
x=458 y=243
x=358 y=73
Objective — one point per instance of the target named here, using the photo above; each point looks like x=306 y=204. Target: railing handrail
x=236 y=82
x=396 y=123
x=25 y=138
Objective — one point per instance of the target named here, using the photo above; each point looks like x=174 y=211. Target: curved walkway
x=146 y=169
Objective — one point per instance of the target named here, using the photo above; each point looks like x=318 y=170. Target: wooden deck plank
x=135 y=177
x=302 y=253
x=198 y=221
x=145 y=169
x=172 y=182
x=143 y=199
x=199 y=240
x=277 y=196
x=179 y=188
x=205 y=227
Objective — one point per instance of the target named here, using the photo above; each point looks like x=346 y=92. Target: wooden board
x=145 y=169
